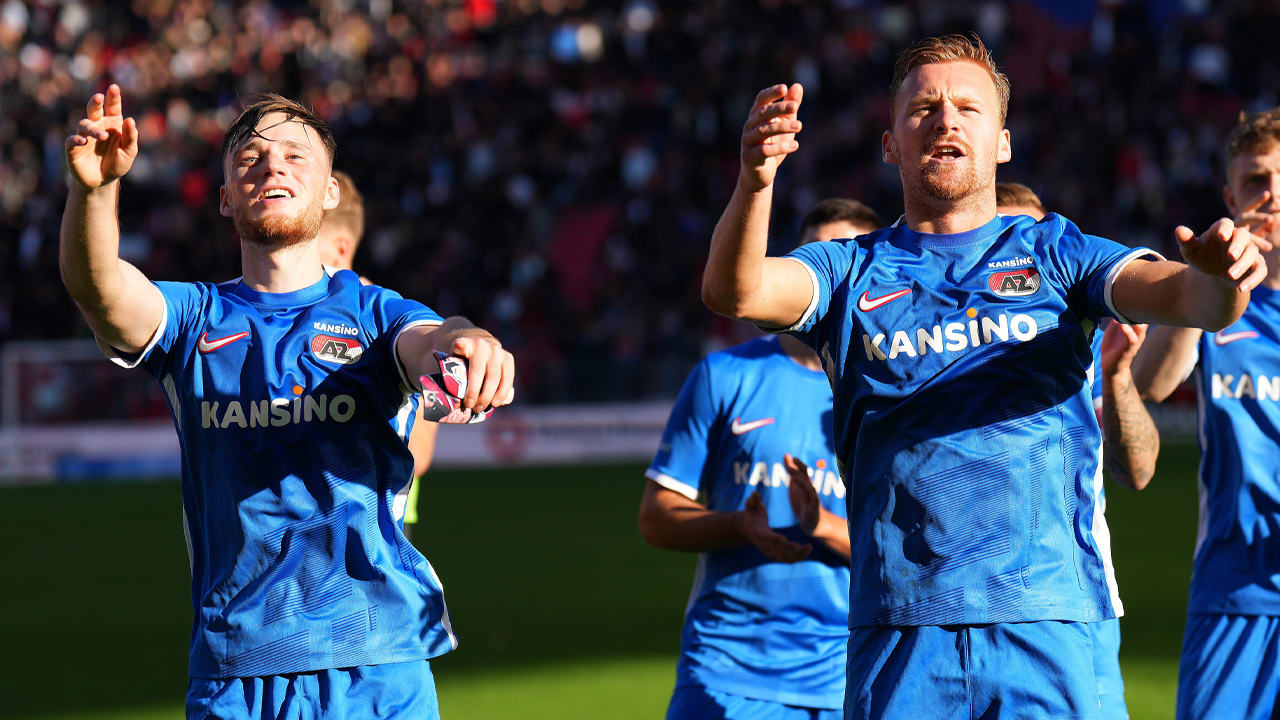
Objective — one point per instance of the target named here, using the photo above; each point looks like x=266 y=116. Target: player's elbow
x=653 y=524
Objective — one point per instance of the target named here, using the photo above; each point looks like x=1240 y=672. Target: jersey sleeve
x=686 y=442
x=1086 y=267
x=392 y=315
x=183 y=304
x=828 y=264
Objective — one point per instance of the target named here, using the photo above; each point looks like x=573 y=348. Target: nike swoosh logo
x=1224 y=338
x=866 y=303
x=207 y=346
x=738 y=427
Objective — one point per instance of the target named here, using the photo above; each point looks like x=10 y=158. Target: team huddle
x=896 y=493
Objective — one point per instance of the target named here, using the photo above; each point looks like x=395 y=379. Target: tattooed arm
x=1130 y=443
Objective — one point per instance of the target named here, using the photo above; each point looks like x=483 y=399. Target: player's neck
x=800 y=353
x=932 y=215
x=280 y=270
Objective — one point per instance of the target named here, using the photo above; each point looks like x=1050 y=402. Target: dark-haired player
x=340 y=235
x=292 y=391
x=767 y=622
x=1230 y=665
x=957 y=349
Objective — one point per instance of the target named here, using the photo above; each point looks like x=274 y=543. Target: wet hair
x=948 y=48
x=264 y=104
x=840 y=209
x=1017 y=194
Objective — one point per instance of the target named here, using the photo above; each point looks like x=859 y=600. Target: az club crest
x=1015 y=283
x=337 y=350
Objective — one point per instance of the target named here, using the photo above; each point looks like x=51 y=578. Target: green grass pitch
x=562 y=610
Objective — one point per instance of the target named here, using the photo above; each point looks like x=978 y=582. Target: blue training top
x=757 y=628
x=1237 y=560
x=964 y=419
x=292 y=412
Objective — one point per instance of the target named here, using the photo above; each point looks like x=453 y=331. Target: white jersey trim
x=408 y=386
x=808 y=312
x=119 y=357
x=1114 y=273
x=672 y=484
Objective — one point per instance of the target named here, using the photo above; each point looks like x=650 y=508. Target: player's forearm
x=417 y=345
x=1208 y=302
x=690 y=528
x=1130 y=442
x=1171 y=293
x=833 y=531
x=734 y=275
x=89 y=246
x=1164 y=360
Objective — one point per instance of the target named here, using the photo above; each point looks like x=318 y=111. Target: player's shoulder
x=744 y=356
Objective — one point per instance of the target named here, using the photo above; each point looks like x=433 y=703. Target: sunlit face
x=1036 y=213
x=947 y=135
x=1248 y=177
x=835 y=230
x=278 y=184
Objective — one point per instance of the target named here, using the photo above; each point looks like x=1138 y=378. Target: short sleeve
x=393 y=315
x=183 y=303
x=1086 y=267
x=828 y=265
x=685 y=446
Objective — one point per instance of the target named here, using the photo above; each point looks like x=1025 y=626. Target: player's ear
x=332 y=194
x=1228 y=199
x=224 y=205
x=888 y=150
x=1004 y=150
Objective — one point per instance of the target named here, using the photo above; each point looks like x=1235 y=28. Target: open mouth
x=946 y=153
x=275 y=194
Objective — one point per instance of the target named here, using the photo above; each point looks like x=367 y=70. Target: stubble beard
x=273 y=233
x=949 y=184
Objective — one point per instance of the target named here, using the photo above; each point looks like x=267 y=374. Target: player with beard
x=1130 y=446
x=340 y=235
x=1230 y=663
x=957 y=349
x=293 y=390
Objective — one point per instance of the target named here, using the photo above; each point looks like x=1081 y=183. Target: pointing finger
x=1259 y=202
x=114 y=104
x=1223 y=229
x=94 y=108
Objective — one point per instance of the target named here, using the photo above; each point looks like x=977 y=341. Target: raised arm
x=671 y=521
x=739 y=280
x=1210 y=292
x=121 y=306
x=1130 y=442
x=490 y=369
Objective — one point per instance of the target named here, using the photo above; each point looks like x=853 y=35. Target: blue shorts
x=367 y=692
x=695 y=702
x=1106 y=667
x=1008 y=670
x=1230 y=667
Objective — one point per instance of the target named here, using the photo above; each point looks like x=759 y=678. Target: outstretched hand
x=1264 y=226
x=105 y=143
x=755 y=527
x=491 y=371
x=769 y=134
x=1225 y=251
x=1120 y=343
x=802 y=493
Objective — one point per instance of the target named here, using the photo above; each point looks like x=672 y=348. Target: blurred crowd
x=553 y=168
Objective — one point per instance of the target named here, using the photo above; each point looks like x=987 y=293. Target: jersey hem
x=894 y=617
x=231 y=671
x=672 y=484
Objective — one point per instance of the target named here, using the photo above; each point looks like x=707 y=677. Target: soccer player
x=1130 y=443
x=340 y=234
x=292 y=390
x=1230 y=665
x=955 y=341
x=767 y=621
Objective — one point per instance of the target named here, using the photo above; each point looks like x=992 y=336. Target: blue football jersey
x=754 y=627
x=963 y=417
x=292 y=412
x=1101 y=531
x=1237 y=560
